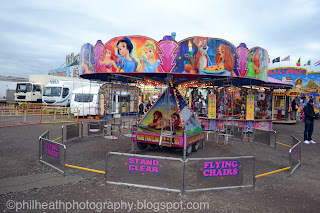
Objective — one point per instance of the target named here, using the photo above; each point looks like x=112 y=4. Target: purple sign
x=52 y=150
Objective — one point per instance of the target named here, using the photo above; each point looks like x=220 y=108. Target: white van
x=85 y=101
x=60 y=92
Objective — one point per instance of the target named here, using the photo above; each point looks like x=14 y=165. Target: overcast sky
x=37 y=35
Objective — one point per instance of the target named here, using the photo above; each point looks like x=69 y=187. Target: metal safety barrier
x=203 y=174
x=52 y=153
x=58 y=115
x=266 y=137
x=294 y=158
x=20 y=116
x=177 y=175
x=144 y=171
x=295 y=155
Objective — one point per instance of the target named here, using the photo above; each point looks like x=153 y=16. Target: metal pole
x=65 y=159
x=106 y=168
x=185 y=145
x=254 y=173
x=62 y=134
x=183 y=176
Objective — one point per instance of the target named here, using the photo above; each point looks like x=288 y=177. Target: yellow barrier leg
x=269 y=173
x=284 y=144
x=90 y=170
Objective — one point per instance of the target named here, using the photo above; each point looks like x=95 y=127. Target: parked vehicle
x=60 y=92
x=32 y=91
x=85 y=101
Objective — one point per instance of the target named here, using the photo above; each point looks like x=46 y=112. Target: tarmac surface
x=26 y=185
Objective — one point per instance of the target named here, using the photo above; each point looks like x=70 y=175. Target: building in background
x=71 y=69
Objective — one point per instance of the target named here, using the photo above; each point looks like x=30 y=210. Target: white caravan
x=85 y=101
x=60 y=92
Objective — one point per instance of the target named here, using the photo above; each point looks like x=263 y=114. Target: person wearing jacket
x=309 y=121
x=294 y=108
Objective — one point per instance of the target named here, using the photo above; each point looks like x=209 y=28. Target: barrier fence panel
x=294 y=140
x=295 y=156
x=267 y=137
x=92 y=128
x=219 y=173
x=71 y=131
x=154 y=172
x=52 y=154
x=19 y=116
x=58 y=115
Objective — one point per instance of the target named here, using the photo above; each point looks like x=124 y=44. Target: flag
x=298 y=62
x=276 y=60
x=317 y=63
x=286 y=58
x=308 y=63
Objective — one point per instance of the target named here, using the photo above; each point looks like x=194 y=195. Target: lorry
x=60 y=92
x=85 y=101
x=32 y=90
x=7 y=88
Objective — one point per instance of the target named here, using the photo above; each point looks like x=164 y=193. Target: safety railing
x=202 y=174
x=266 y=137
x=71 y=131
x=295 y=155
x=52 y=153
x=58 y=115
x=19 y=116
x=145 y=171
x=175 y=174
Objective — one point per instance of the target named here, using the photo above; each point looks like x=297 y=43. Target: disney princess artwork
x=109 y=59
x=149 y=63
x=125 y=61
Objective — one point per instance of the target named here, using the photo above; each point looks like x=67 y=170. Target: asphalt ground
x=34 y=187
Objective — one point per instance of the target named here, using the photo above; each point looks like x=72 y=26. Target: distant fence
x=58 y=115
x=21 y=113
x=107 y=127
x=19 y=116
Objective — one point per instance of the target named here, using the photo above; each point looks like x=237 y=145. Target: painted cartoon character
x=109 y=59
x=149 y=64
x=84 y=68
x=256 y=62
x=298 y=85
x=175 y=120
x=224 y=60
x=201 y=57
x=157 y=120
x=125 y=52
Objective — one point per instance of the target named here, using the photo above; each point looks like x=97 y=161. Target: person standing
x=148 y=105
x=309 y=122
x=294 y=107
x=141 y=108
